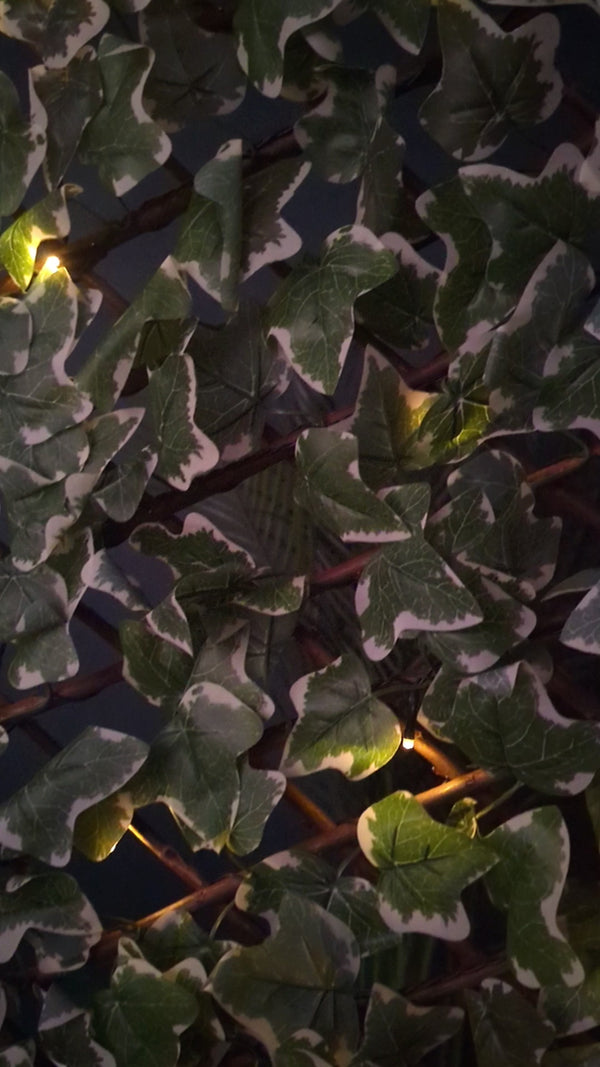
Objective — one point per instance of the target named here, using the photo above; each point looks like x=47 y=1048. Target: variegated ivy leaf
x=195 y=73
x=336 y=134
x=165 y=296
x=69 y=1042
x=507 y=1030
x=504 y=720
x=266 y=236
x=311 y=314
x=582 y=628
x=140 y=1017
x=424 y=867
x=209 y=243
x=534 y=851
x=382 y=204
x=99 y=829
x=51 y=912
x=260 y=793
x=407 y=23
x=184 y=451
x=332 y=491
x=192 y=763
x=263 y=30
x=270 y=595
x=71 y=96
x=158 y=669
x=465 y=303
x=491 y=81
x=453 y=426
x=520 y=214
x=308 y=55
x=535 y=344
x=175 y=937
x=122 y=141
x=340 y=724
x=285 y=874
x=386 y=420
x=400 y=312
x=397 y=1031
x=407 y=586
x=39 y=818
x=222 y=660
x=206 y=1036
x=168 y=621
x=22 y=144
x=301 y=976
x=573 y=1010
x=19 y=243
x=34 y=618
x=15 y=335
x=124 y=485
x=199 y=547
x=304 y=1048
x=236 y=374
x=56 y=31
x=18 y=1055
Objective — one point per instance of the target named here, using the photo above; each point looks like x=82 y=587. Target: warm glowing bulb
x=408 y=743
x=51 y=265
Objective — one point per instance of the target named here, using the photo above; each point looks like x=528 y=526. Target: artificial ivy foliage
x=299 y=326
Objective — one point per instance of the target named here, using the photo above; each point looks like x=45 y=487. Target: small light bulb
x=408 y=743
x=51 y=265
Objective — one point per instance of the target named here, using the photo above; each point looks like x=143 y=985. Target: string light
x=408 y=743
x=51 y=265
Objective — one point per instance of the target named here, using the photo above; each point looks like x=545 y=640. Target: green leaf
x=266 y=236
x=184 y=451
x=336 y=135
x=56 y=31
x=340 y=724
x=397 y=1031
x=65 y=1034
x=331 y=489
x=22 y=144
x=311 y=314
x=209 y=243
x=236 y=375
x=407 y=22
x=577 y=1056
x=582 y=628
x=38 y=819
x=503 y=720
x=153 y=666
x=301 y=976
x=507 y=1030
x=302 y=1049
x=99 y=829
x=200 y=547
x=34 y=618
x=263 y=30
x=424 y=867
x=122 y=141
x=141 y=1015
x=573 y=1011
x=164 y=296
x=123 y=487
x=195 y=73
x=260 y=793
x=382 y=204
x=51 y=912
x=175 y=937
x=70 y=96
x=19 y=243
x=15 y=335
x=400 y=312
x=407 y=586
x=528 y=881
x=17 y=1056
x=222 y=660
x=491 y=80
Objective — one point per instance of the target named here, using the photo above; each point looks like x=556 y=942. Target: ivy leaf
x=184 y=451
x=582 y=628
x=336 y=134
x=507 y=1030
x=578 y=1056
x=175 y=937
x=424 y=867
x=263 y=31
x=195 y=73
x=260 y=792
x=266 y=236
x=39 y=817
x=15 y=335
x=284 y=874
x=340 y=724
x=407 y=586
x=222 y=660
x=503 y=720
x=122 y=489
x=386 y=420
x=51 y=912
x=57 y=31
x=533 y=850
x=400 y=312
x=236 y=374
x=70 y=97
x=121 y=140
x=407 y=23
x=104 y=375
x=573 y=1011
x=331 y=489
x=491 y=80
x=66 y=1036
x=382 y=204
x=19 y=243
x=304 y=1048
x=209 y=243
x=22 y=145
x=397 y=1031
x=141 y=1015
x=158 y=669
x=99 y=829
x=301 y=976
x=17 y=1056
x=311 y=314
